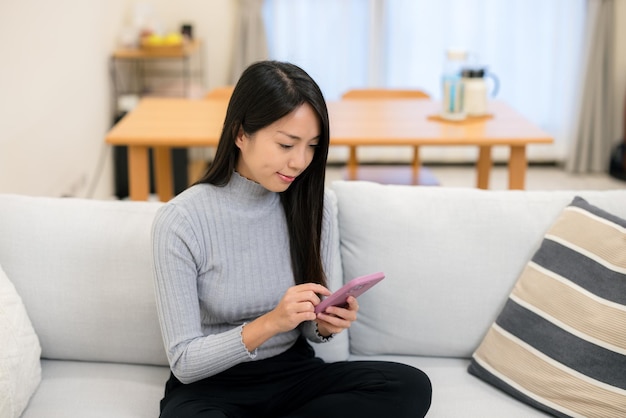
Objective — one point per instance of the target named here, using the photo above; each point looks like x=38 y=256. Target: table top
x=177 y=122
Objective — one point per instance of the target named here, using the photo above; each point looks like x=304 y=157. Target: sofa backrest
x=83 y=269
x=451 y=257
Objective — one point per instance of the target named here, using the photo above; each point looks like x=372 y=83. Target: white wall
x=55 y=106
x=55 y=102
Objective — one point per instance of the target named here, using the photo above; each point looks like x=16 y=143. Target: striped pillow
x=559 y=343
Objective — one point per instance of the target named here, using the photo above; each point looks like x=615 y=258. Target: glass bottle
x=452 y=85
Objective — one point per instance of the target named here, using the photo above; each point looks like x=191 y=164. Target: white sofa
x=83 y=271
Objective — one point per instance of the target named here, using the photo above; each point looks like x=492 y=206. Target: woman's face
x=275 y=155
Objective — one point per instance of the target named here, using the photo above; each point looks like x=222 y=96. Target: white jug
x=475 y=90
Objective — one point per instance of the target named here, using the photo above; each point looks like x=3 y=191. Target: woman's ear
x=239 y=138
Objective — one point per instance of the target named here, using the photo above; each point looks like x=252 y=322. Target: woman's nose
x=299 y=159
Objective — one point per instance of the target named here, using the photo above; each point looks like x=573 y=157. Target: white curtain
x=594 y=132
x=533 y=46
x=250 y=37
x=327 y=38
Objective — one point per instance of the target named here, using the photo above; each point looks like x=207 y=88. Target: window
x=533 y=46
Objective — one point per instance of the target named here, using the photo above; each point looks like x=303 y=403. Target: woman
x=239 y=267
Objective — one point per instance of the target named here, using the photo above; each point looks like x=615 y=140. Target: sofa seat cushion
x=83 y=389
x=560 y=341
x=459 y=394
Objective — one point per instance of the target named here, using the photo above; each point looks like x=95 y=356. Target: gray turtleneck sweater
x=221 y=259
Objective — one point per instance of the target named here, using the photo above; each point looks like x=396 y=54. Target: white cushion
x=451 y=257
x=84 y=271
x=20 y=366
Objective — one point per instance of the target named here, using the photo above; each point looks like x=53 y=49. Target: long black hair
x=266 y=92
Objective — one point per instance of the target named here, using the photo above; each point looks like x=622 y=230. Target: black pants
x=296 y=384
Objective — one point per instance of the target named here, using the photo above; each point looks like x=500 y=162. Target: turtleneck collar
x=249 y=189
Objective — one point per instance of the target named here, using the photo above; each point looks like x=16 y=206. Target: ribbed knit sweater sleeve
x=221 y=259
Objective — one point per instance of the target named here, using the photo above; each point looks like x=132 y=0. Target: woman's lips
x=285 y=178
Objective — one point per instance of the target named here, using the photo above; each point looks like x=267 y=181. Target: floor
x=538 y=177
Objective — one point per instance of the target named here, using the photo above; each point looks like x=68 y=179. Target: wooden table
x=165 y=123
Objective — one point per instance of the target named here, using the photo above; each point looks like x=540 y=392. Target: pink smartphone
x=355 y=287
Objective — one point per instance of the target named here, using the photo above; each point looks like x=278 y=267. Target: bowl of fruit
x=171 y=42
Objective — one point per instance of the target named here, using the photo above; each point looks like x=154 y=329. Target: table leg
x=163 y=173
x=517 y=167
x=352 y=163
x=138 y=172
x=483 y=167
x=186 y=78
x=415 y=164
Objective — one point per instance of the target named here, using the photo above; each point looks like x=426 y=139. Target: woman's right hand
x=296 y=306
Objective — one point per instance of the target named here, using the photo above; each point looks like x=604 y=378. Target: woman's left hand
x=335 y=319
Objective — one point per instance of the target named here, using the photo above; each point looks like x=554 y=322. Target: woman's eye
x=314 y=145
x=285 y=146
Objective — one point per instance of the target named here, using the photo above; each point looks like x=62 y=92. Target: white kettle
x=475 y=90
